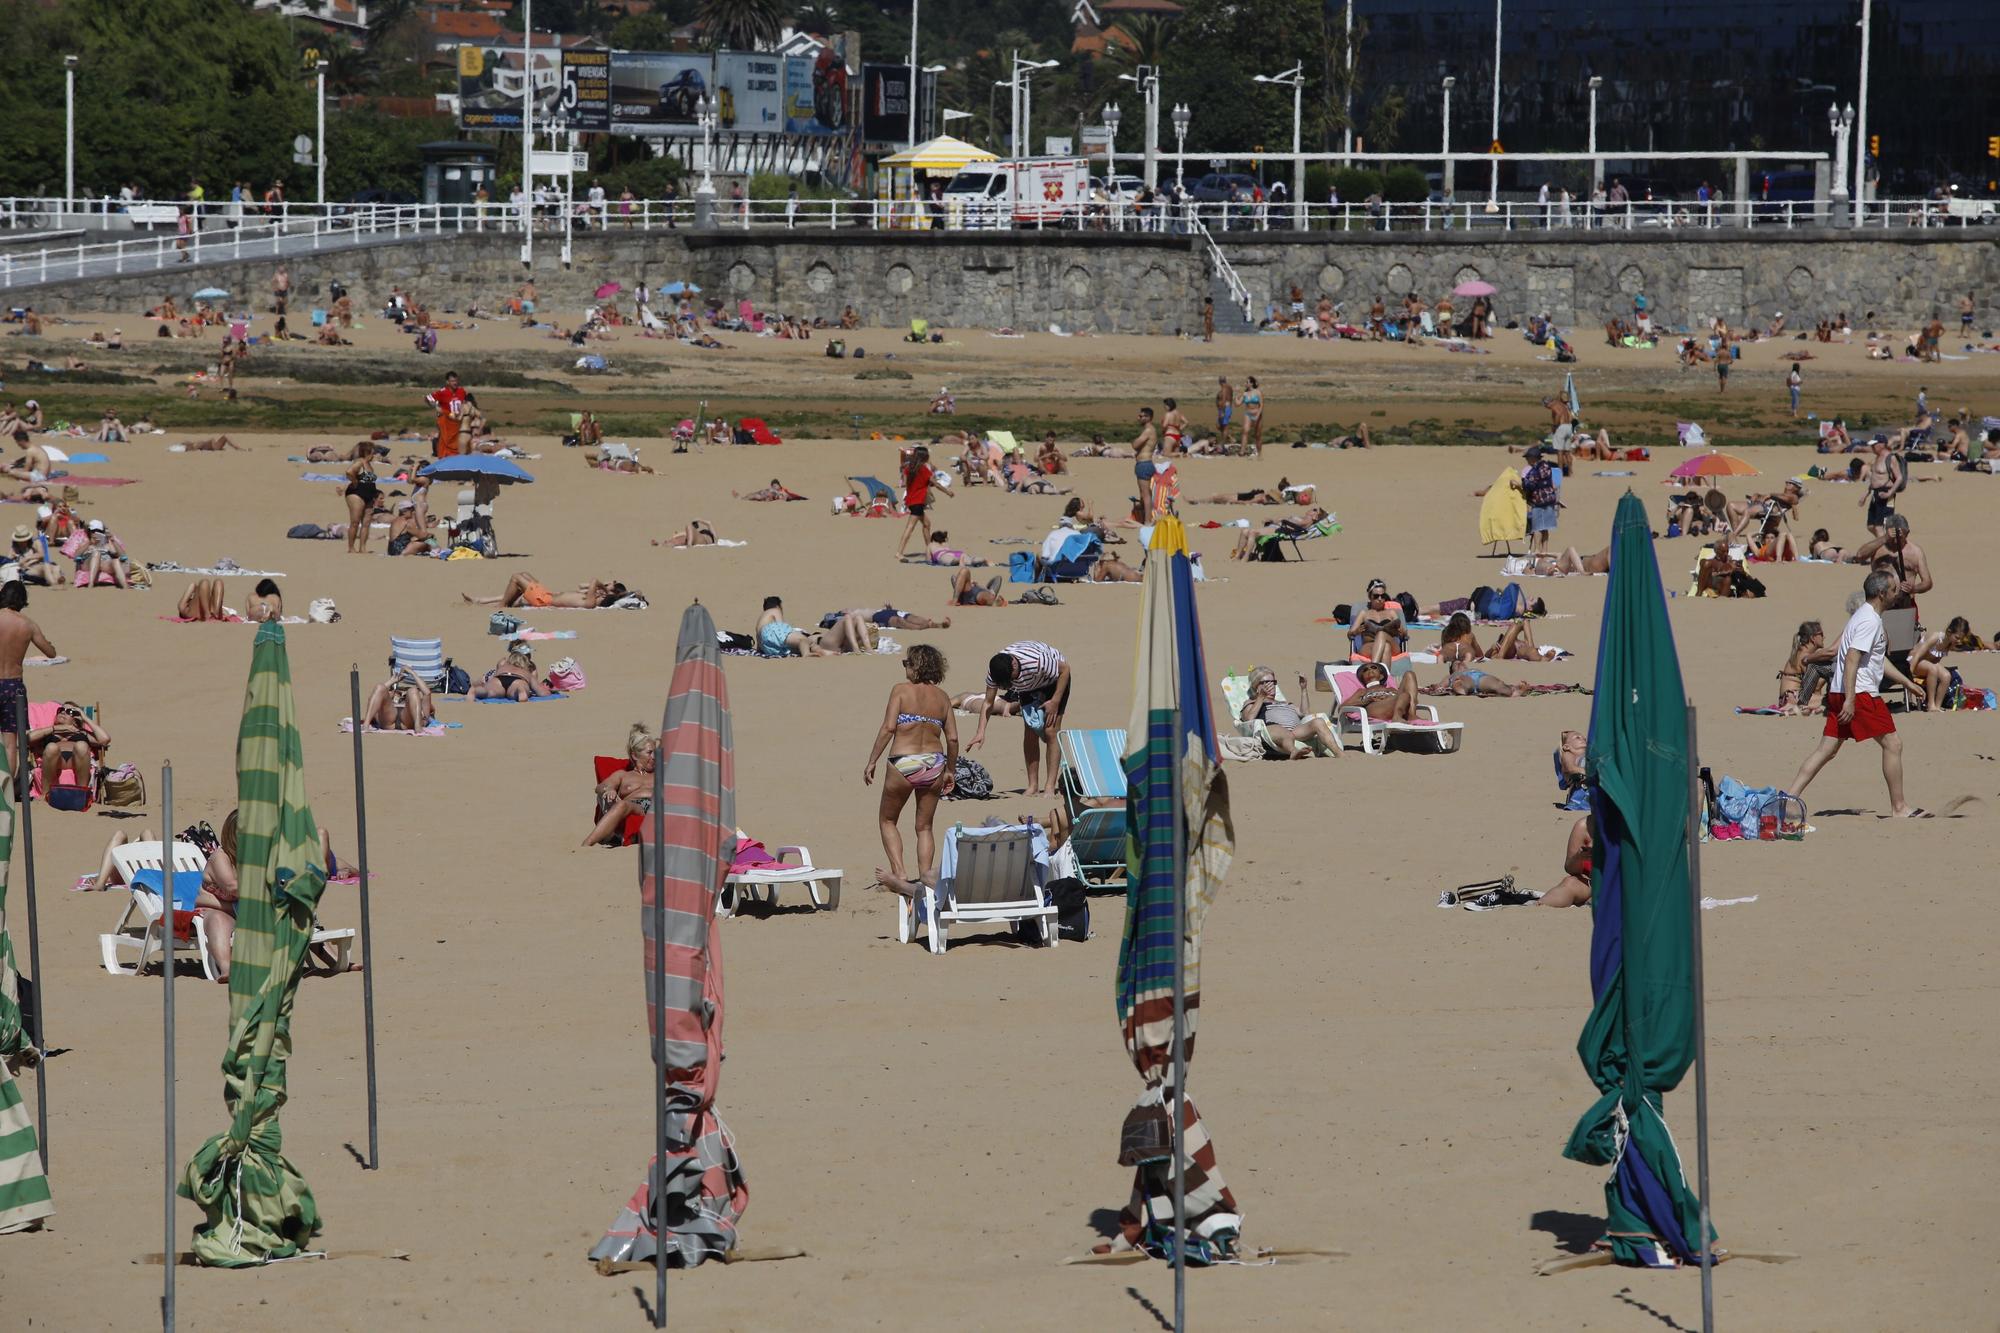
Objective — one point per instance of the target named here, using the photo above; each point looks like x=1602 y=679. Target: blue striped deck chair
x=1093 y=766
x=422 y=658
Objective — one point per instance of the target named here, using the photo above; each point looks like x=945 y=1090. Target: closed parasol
x=257 y=1206
x=24 y=1188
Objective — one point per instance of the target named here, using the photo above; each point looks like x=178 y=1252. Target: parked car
x=1221 y=186
x=1119 y=187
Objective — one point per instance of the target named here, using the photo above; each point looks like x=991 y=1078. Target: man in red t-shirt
x=450 y=404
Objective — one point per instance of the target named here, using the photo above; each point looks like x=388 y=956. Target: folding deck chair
x=422 y=658
x=1093 y=766
x=986 y=876
x=147 y=926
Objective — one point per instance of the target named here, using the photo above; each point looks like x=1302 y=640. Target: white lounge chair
x=1236 y=693
x=1354 y=723
x=986 y=876
x=145 y=922
x=762 y=883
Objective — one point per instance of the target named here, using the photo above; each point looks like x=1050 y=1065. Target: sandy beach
x=1381 y=1078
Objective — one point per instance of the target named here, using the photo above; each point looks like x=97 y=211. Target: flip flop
x=1918 y=813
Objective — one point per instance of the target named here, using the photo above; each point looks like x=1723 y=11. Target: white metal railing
x=143 y=235
x=1239 y=294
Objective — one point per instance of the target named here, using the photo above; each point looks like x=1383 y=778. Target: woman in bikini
x=1928 y=668
x=921 y=736
x=266 y=603
x=1822 y=547
x=696 y=533
x=360 y=495
x=202 y=601
x=1300 y=736
x=215 y=901
x=1959 y=638
x=940 y=554
x=400 y=703
x=1383 y=701
x=1251 y=400
x=512 y=677
x=964 y=592
x=1805 y=670
x=1458 y=649
x=1173 y=429
x=627 y=792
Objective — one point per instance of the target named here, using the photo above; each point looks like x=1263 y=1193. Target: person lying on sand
x=696 y=533
x=1283 y=493
x=329 y=336
x=523 y=589
x=777 y=637
x=1097 y=448
x=610 y=464
x=1569 y=562
x=965 y=593
x=1458 y=649
x=975 y=704
x=512 y=677
x=890 y=617
x=214 y=444
x=1110 y=569
x=203 y=601
x=940 y=554
x=327 y=453
x=627 y=792
x=777 y=490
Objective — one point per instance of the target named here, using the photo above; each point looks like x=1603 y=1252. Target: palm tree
x=1150 y=34
x=819 y=17
x=740 y=25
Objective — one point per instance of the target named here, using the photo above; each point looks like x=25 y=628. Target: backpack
x=1902 y=471
x=1072 y=908
x=502 y=624
x=1270 y=550
x=1409 y=604
x=970 y=781
x=457 y=680
x=1507 y=603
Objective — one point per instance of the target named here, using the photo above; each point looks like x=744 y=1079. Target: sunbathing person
x=33 y=465
x=627 y=792
x=216 y=900
x=400 y=703
x=940 y=554
x=1097 y=448
x=975 y=704
x=696 y=533
x=1110 y=569
x=1807 y=670
x=1257 y=495
x=921 y=738
x=847 y=632
x=1517 y=644
x=203 y=601
x=608 y=463
x=1569 y=562
x=1049 y=459
x=266 y=603
x=409 y=534
x=889 y=617
x=1300 y=736
x=965 y=593
x=110 y=430
x=775 y=491
x=1572 y=753
x=1458 y=649
x=327 y=453
x=523 y=589
x=1383 y=701
x=778 y=638
x=104 y=555
x=29 y=556
x=1249 y=539
x=1378 y=629
x=512 y=677
x=71 y=741
x=1573 y=889
x=1959 y=638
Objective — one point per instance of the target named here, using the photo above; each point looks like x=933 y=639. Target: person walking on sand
x=921 y=735
x=1208 y=319
x=1854 y=707
x=1037 y=677
x=450 y=404
x=918 y=489
x=1225 y=407
x=1793 y=381
x=1143 y=467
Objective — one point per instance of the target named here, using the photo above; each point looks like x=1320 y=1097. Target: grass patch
x=884 y=373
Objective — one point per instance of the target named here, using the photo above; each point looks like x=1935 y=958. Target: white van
x=1045 y=191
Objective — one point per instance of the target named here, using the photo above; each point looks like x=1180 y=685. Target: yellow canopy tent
x=1503 y=515
x=896 y=181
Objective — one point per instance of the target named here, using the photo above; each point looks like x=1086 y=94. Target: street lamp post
x=1347 y=90
x=1493 y=189
x=1024 y=106
x=707 y=108
x=929 y=69
x=528 y=134
x=1112 y=115
x=1295 y=78
x=319 y=71
x=1147 y=80
x=1181 y=118
x=915 y=77
x=1861 y=135
x=1596 y=164
x=69 y=133
x=1449 y=174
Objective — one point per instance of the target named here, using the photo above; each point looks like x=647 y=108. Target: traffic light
x=1993 y=145
x=1874 y=145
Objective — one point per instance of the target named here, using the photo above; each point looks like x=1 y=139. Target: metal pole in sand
x=1700 y=1028
x=367 y=937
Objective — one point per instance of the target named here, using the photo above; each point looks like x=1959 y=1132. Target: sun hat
x=23 y=534
x=95 y=525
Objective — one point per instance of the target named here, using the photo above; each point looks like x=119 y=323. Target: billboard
x=885 y=103
x=489 y=89
x=752 y=89
x=655 y=92
x=815 y=94
x=586 y=89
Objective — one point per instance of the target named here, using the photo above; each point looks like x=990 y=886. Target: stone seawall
x=1145 y=284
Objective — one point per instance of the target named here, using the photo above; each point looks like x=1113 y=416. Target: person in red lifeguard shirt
x=450 y=404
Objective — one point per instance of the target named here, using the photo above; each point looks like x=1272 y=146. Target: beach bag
x=305 y=532
x=68 y=797
x=124 y=786
x=323 y=612
x=1021 y=567
x=566 y=677
x=457 y=680
x=502 y=624
x=1408 y=602
x=1270 y=550
x=970 y=781
x=1072 y=906
x=1740 y=804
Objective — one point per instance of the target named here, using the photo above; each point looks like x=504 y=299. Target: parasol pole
x=167 y=1014
x=659 y=1205
x=26 y=805
x=367 y=938
x=1178 y=1109
x=1700 y=1025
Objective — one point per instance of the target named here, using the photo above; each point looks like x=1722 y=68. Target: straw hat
x=23 y=535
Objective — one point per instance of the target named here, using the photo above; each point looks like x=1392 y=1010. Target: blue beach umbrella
x=477 y=467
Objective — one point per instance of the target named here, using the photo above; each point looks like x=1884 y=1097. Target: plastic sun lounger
x=1093 y=766
x=146 y=922
x=761 y=884
x=1235 y=694
x=996 y=882
x=1354 y=723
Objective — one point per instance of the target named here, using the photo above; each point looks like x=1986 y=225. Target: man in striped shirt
x=1037 y=677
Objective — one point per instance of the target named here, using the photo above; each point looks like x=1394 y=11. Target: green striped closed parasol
x=24 y=1189
x=258 y=1207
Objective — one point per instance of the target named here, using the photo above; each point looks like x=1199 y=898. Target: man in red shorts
x=1854 y=707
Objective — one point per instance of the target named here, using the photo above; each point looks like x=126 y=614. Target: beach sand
x=1380 y=1078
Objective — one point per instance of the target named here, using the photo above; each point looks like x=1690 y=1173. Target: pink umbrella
x=1475 y=288
x=608 y=289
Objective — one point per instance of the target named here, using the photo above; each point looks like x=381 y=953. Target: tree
x=818 y=17
x=740 y=25
x=642 y=32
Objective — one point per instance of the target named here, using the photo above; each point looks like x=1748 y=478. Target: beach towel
x=1761 y=710
x=43 y=661
x=434 y=729
x=1503 y=514
x=537 y=635
x=84 y=458
x=173 y=567
x=718 y=543
x=95 y=481
x=323 y=476
x=531 y=699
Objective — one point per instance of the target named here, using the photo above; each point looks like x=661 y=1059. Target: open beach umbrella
x=1713 y=465
x=1177 y=801
x=697 y=1181
x=609 y=289
x=211 y=294
x=477 y=467
x=1640 y=1037
x=24 y=1189
x=680 y=289
x=257 y=1206
x=1475 y=287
